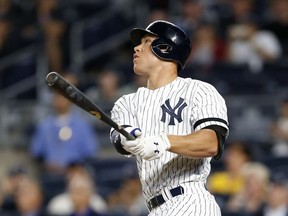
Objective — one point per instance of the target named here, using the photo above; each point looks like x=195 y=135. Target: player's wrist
x=165 y=141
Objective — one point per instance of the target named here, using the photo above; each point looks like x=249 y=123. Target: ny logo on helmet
x=167 y=109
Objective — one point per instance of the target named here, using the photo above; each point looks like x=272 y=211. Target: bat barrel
x=70 y=92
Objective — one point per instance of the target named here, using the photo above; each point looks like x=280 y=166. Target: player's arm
x=210 y=124
x=207 y=142
x=209 y=121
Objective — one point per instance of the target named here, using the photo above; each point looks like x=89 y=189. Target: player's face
x=144 y=60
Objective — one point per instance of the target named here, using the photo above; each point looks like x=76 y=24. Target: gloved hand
x=136 y=132
x=131 y=145
x=154 y=147
x=118 y=139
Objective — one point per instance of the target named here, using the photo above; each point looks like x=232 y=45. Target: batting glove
x=153 y=147
x=132 y=146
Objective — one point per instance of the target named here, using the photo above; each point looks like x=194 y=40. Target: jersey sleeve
x=122 y=111
x=209 y=108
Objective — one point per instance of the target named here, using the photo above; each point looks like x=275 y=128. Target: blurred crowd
x=246 y=181
x=249 y=32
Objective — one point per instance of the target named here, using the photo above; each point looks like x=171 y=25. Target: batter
x=179 y=124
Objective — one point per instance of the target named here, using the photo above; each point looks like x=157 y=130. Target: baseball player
x=179 y=124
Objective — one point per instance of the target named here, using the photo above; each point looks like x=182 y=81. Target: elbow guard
x=221 y=134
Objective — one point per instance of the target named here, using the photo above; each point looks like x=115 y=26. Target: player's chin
x=137 y=70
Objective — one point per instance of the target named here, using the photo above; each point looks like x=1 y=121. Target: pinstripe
x=205 y=106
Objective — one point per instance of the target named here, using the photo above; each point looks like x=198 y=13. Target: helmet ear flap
x=164 y=48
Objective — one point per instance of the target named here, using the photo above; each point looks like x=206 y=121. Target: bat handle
x=126 y=134
x=130 y=137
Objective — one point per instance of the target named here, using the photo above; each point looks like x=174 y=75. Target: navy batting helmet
x=171 y=44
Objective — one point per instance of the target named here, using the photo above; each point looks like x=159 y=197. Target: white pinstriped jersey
x=178 y=108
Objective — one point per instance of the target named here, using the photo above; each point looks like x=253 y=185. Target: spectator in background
x=78 y=178
x=193 y=13
x=104 y=93
x=157 y=14
x=279 y=131
x=249 y=45
x=46 y=21
x=18 y=18
x=158 y=10
x=10 y=9
x=128 y=199
x=277 y=22
x=236 y=11
x=80 y=189
x=207 y=47
x=242 y=10
x=54 y=28
x=230 y=181
x=136 y=82
x=277 y=201
x=10 y=40
x=29 y=199
x=63 y=137
x=9 y=185
x=54 y=39
x=252 y=197
x=45 y=9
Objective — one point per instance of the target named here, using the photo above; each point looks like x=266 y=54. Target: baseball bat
x=73 y=94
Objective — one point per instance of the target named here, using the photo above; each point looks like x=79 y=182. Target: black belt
x=159 y=200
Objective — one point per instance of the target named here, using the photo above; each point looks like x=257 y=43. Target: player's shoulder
x=195 y=83
x=125 y=98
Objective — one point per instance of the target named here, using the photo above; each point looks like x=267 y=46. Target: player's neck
x=156 y=81
x=163 y=74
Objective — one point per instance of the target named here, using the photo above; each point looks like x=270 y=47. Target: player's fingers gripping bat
x=69 y=91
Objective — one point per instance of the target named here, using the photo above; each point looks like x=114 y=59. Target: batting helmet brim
x=137 y=34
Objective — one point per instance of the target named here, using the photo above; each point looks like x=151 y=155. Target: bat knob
x=51 y=78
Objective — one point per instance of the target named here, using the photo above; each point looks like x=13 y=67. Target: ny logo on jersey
x=167 y=109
